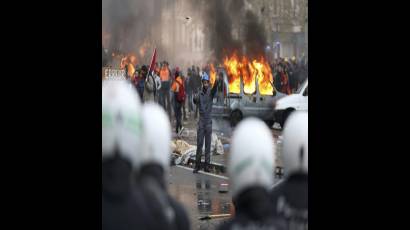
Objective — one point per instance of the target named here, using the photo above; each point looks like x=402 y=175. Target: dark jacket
x=290 y=200
x=168 y=213
x=204 y=102
x=123 y=205
x=277 y=83
x=196 y=82
x=187 y=85
x=253 y=210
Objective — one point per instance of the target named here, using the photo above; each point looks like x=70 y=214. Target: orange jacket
x=175 y=85
x=164 y=73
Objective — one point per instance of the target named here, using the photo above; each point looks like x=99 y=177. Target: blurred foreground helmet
x=295 y=143
x=251 y=162
x=121 y=121
x=156 y=138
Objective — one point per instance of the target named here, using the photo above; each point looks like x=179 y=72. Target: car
x=236 y=106
x=294 y=102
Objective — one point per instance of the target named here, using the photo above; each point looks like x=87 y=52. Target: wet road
x=199 y=194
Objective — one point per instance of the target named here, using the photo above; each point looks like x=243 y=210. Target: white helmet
x=251 y=161
x=295 y=143
x=156 y=139
x=121 y=121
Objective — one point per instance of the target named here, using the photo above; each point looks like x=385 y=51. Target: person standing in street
x=157 y=80
x=178 y=90
x=164 y=100
x=140 y=81
x=277 y=83
x=150 y=89
x=284 y=77
x=203 y=100
x=220 y=89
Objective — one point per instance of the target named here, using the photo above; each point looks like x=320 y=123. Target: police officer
x=251 y=167
x=290 y=197
x=123 y=204
x=204 y=102
x=155 y=161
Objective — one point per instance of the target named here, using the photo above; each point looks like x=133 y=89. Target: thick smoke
x=227 y=26
x=222 y=19
x=129 y=23
x=255 y=36
x=219 y=29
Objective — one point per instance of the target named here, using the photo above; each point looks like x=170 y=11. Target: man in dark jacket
x=277 y=77
x=204 y=102
x=140 y=81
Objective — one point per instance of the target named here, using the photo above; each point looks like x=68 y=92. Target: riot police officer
x=290 y=197
x=251 y=167
x=154 y=165
x=123 y=205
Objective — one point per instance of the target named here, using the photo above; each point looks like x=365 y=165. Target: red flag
x=153 y=60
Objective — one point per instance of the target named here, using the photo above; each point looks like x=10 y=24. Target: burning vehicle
x=248 y=90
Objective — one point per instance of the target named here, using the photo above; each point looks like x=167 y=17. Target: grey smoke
x=255 y=36
x=219 y=29
x=222 y=17
x=129 y=22
x=228 y=25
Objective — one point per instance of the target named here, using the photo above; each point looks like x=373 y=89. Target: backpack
x=181 y=93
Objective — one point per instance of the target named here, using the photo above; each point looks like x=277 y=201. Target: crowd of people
x=169 y=87
x=174 y=89
x=288 y=74
x=136 y=160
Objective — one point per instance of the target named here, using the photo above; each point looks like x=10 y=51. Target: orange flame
x=249 y=72
x=232 y=67
x=129 y=61
x=212 y=74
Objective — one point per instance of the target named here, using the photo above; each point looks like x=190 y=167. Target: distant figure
x=220 y=88
x=164 y=97
x=178 y=89
x=150 y=88
x=141 y=81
